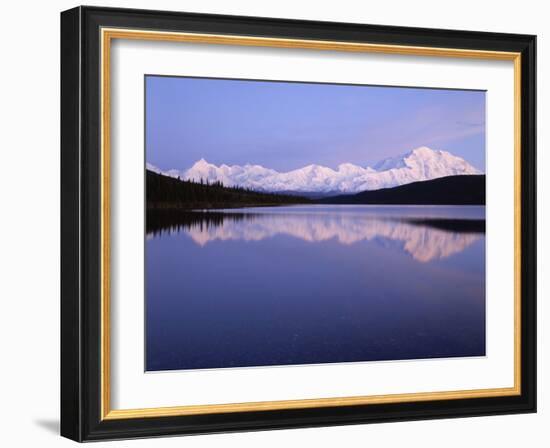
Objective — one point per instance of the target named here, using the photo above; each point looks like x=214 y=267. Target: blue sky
x=285 y=126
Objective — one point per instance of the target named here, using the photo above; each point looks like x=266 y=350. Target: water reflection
x=313 y=284
x=425 y=235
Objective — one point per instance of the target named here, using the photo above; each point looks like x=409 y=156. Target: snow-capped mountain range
x=417 y=165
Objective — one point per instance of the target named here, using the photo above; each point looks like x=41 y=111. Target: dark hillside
x=451 y=190
x=164 y=192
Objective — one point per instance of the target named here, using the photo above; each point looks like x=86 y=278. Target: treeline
x=164 y=192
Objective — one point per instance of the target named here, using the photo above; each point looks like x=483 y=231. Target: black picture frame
x=81 y=224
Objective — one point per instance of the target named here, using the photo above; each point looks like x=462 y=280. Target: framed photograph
x=273 y=223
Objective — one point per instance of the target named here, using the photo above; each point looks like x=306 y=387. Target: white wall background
x=29 y=230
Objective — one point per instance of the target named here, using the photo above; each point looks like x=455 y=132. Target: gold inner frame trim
x=107 y=35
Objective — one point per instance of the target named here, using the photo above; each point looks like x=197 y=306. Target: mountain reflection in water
x=424 y=233
x=313 y=284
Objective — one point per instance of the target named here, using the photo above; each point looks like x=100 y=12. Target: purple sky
x=285 y=126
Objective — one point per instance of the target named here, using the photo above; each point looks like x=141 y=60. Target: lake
x=313 y=284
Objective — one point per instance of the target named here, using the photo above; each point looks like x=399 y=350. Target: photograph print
x=298 y=223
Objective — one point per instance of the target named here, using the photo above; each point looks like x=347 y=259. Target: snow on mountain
x=419 y=164
x=153 y=168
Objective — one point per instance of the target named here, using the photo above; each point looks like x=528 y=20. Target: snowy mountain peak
x=425 y=151
x=420 y=164
x=202 y=163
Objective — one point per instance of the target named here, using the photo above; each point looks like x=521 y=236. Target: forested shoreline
x=168 y=193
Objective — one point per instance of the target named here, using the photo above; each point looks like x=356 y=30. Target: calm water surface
x=314 y=284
